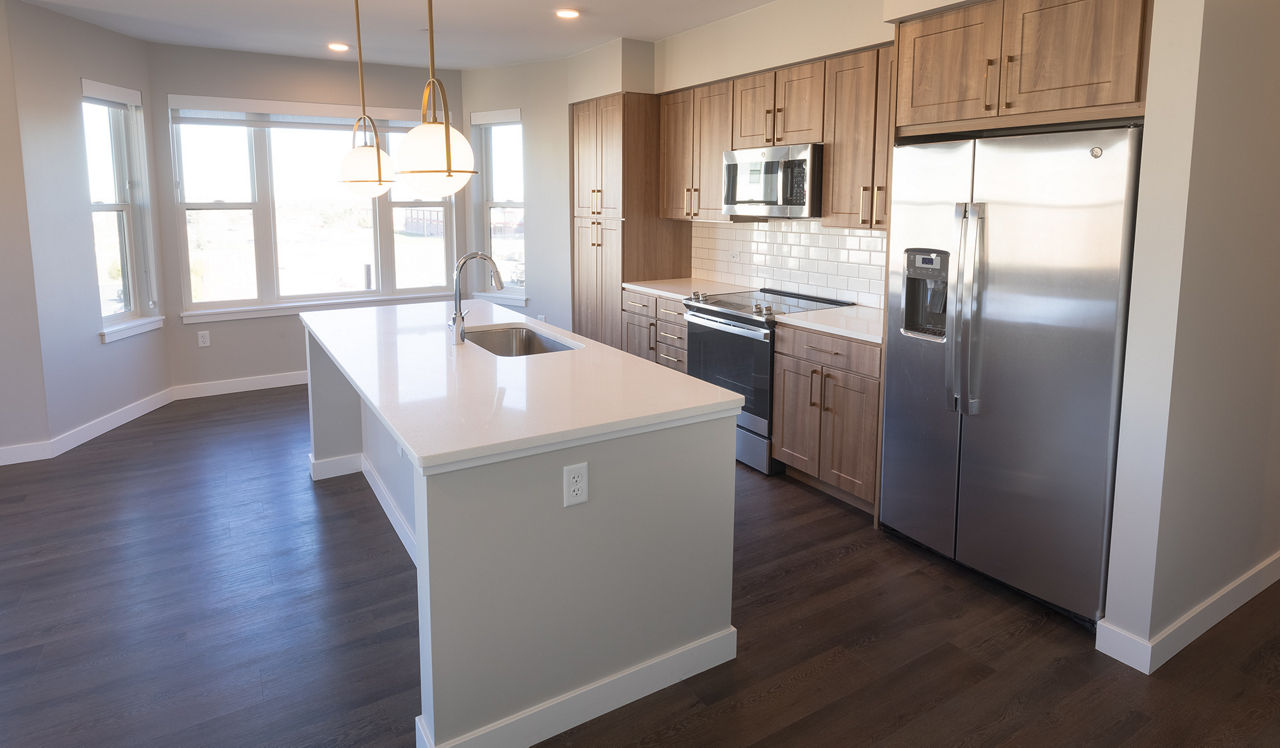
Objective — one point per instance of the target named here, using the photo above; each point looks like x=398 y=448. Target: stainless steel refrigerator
x=1007 y=300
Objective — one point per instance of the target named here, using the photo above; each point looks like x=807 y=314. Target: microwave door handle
x=952 y=349
x=975 y=261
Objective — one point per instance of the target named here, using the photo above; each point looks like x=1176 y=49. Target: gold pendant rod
x=364 y=114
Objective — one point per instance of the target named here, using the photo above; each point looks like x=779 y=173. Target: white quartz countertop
x=454 y=406
x=858 y=322
x=682 y=288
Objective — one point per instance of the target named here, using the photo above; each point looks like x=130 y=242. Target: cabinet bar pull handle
x=669 y=358
x=696 y=196
x=813 y=403
x=865 y=220
x=826 y=407
x=653 y=339
x=636 y=303
x=688 y=196
x=1008 y=63
x=986 y=84
x=878 y=206
x=668 y=311
x=669 y=335
x=822 y=350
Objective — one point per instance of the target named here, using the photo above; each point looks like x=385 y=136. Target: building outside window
x=267 y=223
x=115 y=154
x=501 y=150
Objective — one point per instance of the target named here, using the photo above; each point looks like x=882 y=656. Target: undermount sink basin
x=515 y=341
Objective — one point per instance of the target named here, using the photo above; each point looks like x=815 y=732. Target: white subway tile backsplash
x=796 y=256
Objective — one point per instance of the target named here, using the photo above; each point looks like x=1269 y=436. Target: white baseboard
x=332 y=467
x=401 y=525
x=243 y=384
x=1147 y=656
x=568 y=710
x=44 y=450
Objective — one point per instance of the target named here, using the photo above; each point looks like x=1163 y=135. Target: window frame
x=128 y=142
x=482 y=124
x=258 y=119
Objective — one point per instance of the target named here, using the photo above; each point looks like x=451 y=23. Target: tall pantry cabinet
x=617 y=235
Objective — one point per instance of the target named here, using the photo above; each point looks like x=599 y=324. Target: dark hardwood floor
x=180 y=581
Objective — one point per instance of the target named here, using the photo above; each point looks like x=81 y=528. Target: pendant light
x=366 y=170
x=435 y=159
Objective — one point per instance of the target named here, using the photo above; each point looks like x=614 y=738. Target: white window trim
x=514 y=296
x=128 y=329
x=269 y=302
x=144 y=313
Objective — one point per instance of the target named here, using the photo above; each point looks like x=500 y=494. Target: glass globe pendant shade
x=359 y=171
x=422 y=167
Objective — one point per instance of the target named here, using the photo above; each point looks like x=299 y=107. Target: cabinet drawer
x=672 y=357
x=840 y=353
x=671 y=311
x=638 y=303
x=672 y=335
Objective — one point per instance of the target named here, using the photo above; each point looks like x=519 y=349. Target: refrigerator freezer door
x=921 y=426
x=1041 y=367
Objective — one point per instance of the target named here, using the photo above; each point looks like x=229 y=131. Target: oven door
x=738 y=358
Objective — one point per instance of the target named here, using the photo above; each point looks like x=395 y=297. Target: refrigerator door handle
x=951 y=353
x=971 y=290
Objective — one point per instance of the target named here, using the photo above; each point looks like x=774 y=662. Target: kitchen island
x=535 y=612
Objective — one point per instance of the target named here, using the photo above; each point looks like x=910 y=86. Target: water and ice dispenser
x=925 y=295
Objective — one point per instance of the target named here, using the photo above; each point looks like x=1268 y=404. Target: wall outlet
x=542 y=318
x=202 y=339
x=575 y=484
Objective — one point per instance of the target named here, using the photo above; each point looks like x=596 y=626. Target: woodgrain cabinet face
x=753 y=111
x=798 y=104
x=587 y=316
x=586 y=159
x=850 y=430
x=797 y=413
x=638 y=336
x=675 y=154
x=712 y=136
x=609 y=247
x=1064 y=54
x=848 y=174
x=948 y=65
x=886 y=87
x=609 y=122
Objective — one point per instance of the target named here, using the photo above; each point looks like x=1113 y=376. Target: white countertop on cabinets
x=681 y=288
x=457 y=405
x=857 y=322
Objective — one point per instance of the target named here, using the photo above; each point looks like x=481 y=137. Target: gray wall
x=267 y=345
x=83 y=379
x=22 y=407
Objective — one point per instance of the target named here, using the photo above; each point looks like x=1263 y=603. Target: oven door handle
x=746 y=331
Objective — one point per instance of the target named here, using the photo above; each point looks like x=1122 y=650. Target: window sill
x=505 y=299
x=130 y=328
x=297 y=307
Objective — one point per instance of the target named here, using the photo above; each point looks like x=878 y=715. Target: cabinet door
x=850 y=427
x=638 y=335
x=609 y=123
x=712 y=136
x=798 y=104
x=609 y=247
x=797 y=415
x=675 y=154
x=586 y=159
x=848 y=172
x=948 y=65
x=886 y=67
x=1063 y=54
x=586 y=279
x=753 y=111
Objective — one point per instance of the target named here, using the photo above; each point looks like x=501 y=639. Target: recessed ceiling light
x=567 y=13
x=339 y=46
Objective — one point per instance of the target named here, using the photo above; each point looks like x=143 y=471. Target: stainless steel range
x=731 y=345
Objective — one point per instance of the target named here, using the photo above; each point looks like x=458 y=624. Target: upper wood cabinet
x=781 y=107
x=696 y=131
x=859 y=140
x=1004 y=58
x=597 y=154
x=1064 y=54
x=948 y=65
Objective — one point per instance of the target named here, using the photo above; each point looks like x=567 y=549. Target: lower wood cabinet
x=639 y=335
x=597 y=278
x=826 y=423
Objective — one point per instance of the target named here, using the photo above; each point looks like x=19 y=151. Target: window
x=502 y=215
x=117 y=197
x=267 y=222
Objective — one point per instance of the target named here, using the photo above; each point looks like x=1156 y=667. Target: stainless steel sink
x=515 y=341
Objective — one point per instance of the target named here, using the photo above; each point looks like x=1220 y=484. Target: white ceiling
x=471 y=33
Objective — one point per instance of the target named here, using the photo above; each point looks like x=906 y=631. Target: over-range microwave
x=779 y=182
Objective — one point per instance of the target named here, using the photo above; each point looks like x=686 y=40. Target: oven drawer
x=828 y=350
x=673 y=357
x=672 y=335
x=671 y=311
x=638 y=303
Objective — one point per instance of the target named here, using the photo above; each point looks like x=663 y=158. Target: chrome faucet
x=459 y=334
